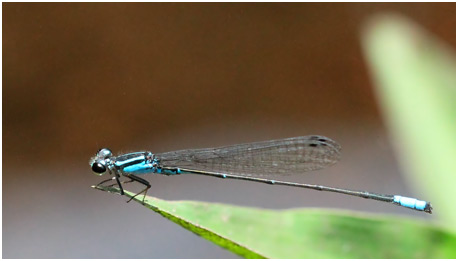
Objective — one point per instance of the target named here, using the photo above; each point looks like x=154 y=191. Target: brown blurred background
x=160 y=77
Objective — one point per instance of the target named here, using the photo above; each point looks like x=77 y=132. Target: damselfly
x=258 y=162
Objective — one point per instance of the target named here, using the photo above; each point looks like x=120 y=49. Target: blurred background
x=166 y=76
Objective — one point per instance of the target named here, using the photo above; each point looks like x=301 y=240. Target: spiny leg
x=112 y=185
x=142 y=181
x=119 y=184
x=116 y=176
x=122 y=182
x=105 y=182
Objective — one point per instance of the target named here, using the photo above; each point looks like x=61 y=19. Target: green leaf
x=416 y=85
x=304 y=233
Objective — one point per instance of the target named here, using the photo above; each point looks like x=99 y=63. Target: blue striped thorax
x=136 y=163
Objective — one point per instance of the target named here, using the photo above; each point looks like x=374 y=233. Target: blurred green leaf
x=415 y=76
x=304 y=233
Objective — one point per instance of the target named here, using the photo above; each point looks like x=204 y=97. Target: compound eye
x=104 y=153
x=98 y=168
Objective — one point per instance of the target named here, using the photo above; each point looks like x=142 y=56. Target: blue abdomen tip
x=410 y=202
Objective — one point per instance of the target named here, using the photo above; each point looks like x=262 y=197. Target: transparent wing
x=275 y=157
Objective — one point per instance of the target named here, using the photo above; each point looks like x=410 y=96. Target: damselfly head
x=99 y=162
